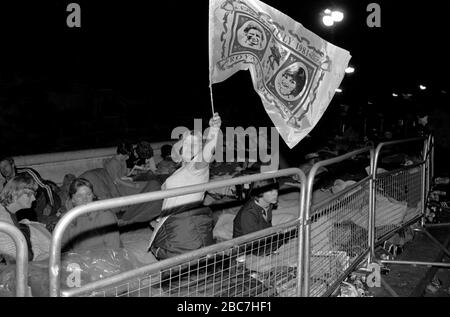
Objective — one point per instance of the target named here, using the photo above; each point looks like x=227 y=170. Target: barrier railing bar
x=438 y=264
x=21 y=257
x=338 y=195
x=399 y=170
x=388 y=235
x=55 y=247
x=436 y=225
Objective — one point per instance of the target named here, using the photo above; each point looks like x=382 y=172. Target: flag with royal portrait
x=294 y=71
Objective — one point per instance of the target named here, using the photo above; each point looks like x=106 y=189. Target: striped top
x=39 y=181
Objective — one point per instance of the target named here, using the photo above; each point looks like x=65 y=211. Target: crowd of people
x=34 y=204
x=28 y=201
x=179 y=224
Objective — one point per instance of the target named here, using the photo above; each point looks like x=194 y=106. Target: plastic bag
x=77 y=269
x=80 y=268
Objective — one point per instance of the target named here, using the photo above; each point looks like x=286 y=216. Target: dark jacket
x=189 y=227
x=250 y=219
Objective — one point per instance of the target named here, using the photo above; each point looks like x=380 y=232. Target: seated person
x=187 y=225
x=144 y=152
x=167 y=165
x=144 y=168
x=47 y=202
x=256 y=214
x=132 y=155
x=95 y=230
x=111 y=182
x=19 y=193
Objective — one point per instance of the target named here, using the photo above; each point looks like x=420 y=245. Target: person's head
x=253 y=36
x=124 y=150
x=19 y=191
x=81 y=192
x=422 y=118
x=7 y=167
x=292 y=81
x=166 y=150
x=265 y=191
x=144 y=150
x=188 y=147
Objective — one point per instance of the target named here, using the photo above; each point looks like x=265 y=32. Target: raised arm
x=211 y=140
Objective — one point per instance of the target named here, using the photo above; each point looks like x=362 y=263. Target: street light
x=330 y=17
x=338 y=90
x=350 y=70
x=337 y=16
x=327 y=20
x=394 y=94
x=422 y=87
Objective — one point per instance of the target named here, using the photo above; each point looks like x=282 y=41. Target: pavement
x=417 y=280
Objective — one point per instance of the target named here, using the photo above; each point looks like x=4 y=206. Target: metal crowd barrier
x=409 y=186
x=251 y=265
x=21 y=257
x=336 y=231
x=404 y=187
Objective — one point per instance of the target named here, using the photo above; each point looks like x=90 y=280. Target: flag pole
x=212 y=100
x=210 y=56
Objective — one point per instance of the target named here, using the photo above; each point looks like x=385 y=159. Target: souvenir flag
x=294 y=71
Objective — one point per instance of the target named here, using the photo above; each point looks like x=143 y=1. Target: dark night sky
x=157 y=52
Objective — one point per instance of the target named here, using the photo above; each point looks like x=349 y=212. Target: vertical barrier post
x=424 y=191
x=21 y=257
x=307 y=228
x=432 y=157
x=371 y=233
x=301 y=238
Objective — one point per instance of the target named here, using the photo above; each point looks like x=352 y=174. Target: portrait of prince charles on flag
x=250 y=36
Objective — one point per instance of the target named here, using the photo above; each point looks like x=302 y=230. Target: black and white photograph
x=224 y=148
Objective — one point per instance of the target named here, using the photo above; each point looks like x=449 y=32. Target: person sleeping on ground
x=185 y=224
x=19 y=193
